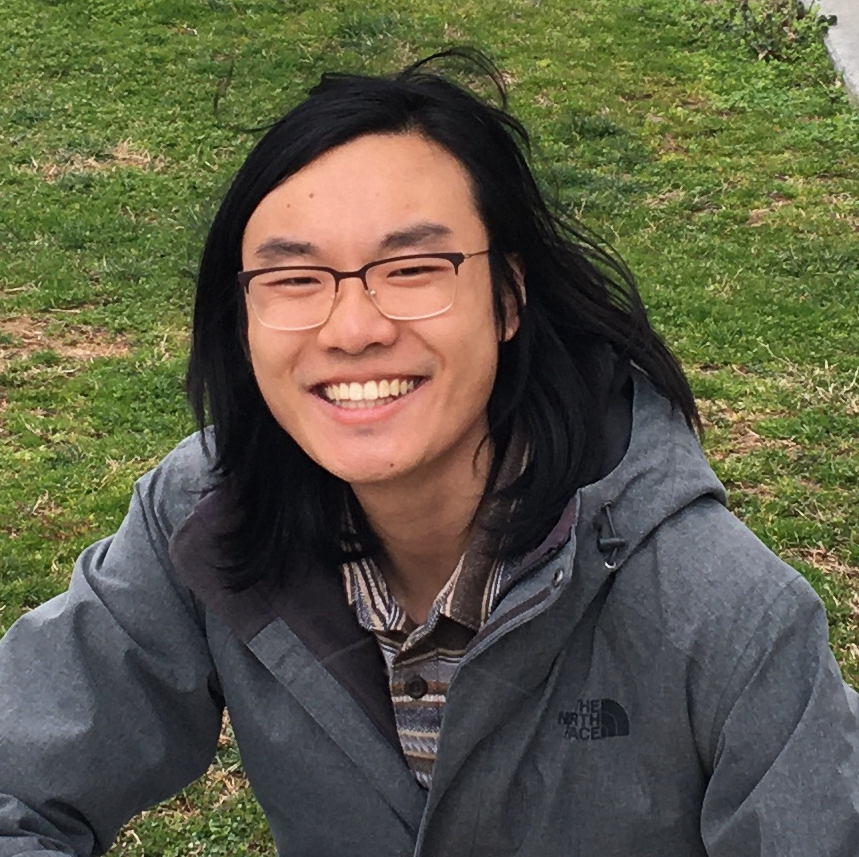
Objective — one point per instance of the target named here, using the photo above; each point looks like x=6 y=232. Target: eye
x=290 y=279
x=418 y=270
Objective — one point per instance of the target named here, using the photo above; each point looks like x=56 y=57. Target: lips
x=369 y=394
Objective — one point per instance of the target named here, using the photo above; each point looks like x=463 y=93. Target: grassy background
x=717 y=154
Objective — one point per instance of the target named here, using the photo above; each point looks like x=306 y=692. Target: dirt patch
x=693 y=102
x=124 y=155
x=670 y=146
x=742 y=438
x=665 y=198
x=22 y=336
x=758 y=216
x=825 y=560
x=713 y=368
x=840 y=200
x=748 y=489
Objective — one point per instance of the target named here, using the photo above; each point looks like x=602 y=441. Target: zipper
x=494 y=631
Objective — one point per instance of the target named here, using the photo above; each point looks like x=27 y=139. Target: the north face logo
x=593 y=719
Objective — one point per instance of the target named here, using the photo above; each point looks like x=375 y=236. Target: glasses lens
x=412 y=288
x=292 y=298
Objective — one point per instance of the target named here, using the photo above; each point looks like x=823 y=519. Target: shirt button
x=415 y=687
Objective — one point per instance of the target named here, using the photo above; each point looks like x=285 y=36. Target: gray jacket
x=655 y=682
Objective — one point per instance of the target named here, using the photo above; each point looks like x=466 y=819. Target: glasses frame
x=456 y=259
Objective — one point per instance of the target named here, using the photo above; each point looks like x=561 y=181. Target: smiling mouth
x=370 y=394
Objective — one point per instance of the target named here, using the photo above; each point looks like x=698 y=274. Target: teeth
x=356 y=394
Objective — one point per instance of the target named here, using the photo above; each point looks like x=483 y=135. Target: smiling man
x=427 y=339
x=449 y=554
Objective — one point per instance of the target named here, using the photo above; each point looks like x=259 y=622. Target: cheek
x=270 y=351
x=473 y=376
x=272 y=359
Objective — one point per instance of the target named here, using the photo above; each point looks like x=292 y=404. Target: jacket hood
x=654 y=469
x=662 y=472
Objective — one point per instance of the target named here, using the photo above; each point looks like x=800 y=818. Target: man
x=450 y=554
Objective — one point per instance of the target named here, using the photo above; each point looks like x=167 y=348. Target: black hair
x=581 y=313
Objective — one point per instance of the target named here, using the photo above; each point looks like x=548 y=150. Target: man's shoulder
x=721 y=557
x=706 y=575
x=181 y=479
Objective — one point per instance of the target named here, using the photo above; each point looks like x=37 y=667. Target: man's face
x=376 y=197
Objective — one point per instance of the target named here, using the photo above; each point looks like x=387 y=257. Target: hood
x=663 y=471
x=654 y=468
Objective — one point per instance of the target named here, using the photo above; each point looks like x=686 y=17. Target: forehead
x=349 y=199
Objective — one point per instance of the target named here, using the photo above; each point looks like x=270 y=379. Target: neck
x=424 y=526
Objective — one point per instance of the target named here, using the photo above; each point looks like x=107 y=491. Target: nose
x=355 y=322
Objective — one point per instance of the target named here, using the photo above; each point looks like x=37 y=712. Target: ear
x=511 y=307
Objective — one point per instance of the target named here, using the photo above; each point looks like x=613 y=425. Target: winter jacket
x=655 y=682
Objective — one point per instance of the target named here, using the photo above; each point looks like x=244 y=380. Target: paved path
x=843 y=41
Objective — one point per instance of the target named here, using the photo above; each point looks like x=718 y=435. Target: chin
x=361 y=473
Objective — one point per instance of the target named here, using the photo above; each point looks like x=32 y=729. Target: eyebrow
x=273 y=248
x=414 y=235
x=281 y=246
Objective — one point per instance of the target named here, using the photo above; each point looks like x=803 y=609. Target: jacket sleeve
x=108 y=696
x=785 y=743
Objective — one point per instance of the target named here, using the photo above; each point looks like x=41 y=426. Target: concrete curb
x=842 y=41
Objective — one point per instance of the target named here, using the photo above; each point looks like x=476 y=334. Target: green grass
x=724 y=168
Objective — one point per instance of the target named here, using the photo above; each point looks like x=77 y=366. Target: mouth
x=369 y=394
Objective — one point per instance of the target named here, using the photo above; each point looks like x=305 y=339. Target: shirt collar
x=467 y=597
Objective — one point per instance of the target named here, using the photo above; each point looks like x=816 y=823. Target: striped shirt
x=421 y=659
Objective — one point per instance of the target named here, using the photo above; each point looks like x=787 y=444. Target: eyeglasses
x=403 y=288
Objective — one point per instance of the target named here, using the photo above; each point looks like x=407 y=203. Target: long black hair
x=580 y=313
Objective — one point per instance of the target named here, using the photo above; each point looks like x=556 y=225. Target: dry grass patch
x=807 y=386
x=737 y=430
x=692 y=101
x=124 y=155
x=830 y=564
x=826 y=561
x=51 y=520
x=665 y=198
x=23 y=335
x=544 y=100
x=221 y=783
x=758 y=216
x=843 y=207
x=826 y=385
x=747 y=489
x=670 y=146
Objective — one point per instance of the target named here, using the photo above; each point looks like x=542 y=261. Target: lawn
x=716 y=153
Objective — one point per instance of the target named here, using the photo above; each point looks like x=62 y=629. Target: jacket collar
x=313 y=606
